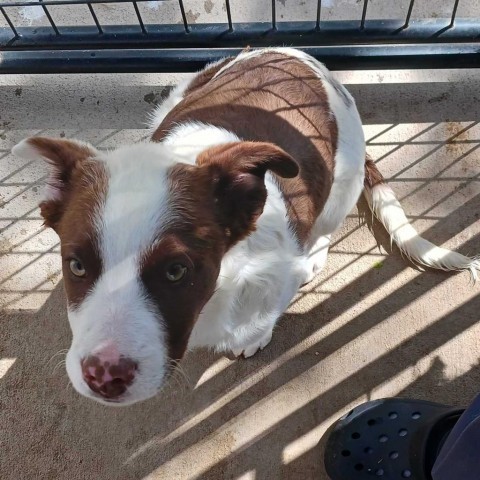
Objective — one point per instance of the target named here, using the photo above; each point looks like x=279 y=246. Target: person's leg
x=459 y=458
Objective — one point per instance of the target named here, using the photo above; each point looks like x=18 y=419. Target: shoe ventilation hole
x=383 y=438
x=403 y=432
x=358 y=467
x=393 y=415
x=416 y=415
x=393 y=455
x=379 y=472
x=406 y=474
x=345 y=453
x=368 y=450
x=355 y=435
x=371 y=422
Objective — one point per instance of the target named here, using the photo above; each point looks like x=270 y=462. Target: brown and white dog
x=203 y=235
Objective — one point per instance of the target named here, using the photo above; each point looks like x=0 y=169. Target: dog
x=202 y=236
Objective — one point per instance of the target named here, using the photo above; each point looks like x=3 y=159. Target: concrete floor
x=370 y=325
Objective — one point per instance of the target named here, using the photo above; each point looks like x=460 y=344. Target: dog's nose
x=108 y=378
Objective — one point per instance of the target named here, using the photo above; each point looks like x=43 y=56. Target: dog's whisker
x=181 y=371
x=180 y=375
x=64 y=351
x=58 y=365
x=177 y=380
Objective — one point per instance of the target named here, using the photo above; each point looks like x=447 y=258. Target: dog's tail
x=387 y=209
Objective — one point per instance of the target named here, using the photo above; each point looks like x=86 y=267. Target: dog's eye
x=176 y=272
x=77 y=268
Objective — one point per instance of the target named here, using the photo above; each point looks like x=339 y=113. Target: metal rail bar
x=297 y=34
x=409 y=13
x=229 y=15
x=319 y=13
x=274 y=15
x=10 y=24
x=454 y=13
x=139 y=17
x=95 y=19
x=49 y=17
x=187 y=60
x=184 y=16
x=364 y=14
x=359 y=43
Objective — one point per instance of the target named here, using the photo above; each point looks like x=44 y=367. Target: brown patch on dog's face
x=180 y=301
x=195 y=242
x=216 y=204
x=79 y=237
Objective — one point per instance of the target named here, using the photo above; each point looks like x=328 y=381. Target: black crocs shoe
x=393 y=438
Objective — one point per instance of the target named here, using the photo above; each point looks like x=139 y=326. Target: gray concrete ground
x=370 y=325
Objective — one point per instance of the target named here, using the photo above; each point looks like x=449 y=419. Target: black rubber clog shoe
x=393 y=438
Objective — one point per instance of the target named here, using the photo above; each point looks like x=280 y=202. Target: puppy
x=203 y=235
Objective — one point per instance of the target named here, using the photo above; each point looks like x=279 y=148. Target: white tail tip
x=388 y=210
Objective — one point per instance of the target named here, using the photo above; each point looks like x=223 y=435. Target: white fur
x=162 y=110
x=189 y=139
x=258 y=278
x=136 y=210
x=24 y=149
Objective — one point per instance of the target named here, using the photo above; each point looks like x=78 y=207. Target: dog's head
x=142 y=239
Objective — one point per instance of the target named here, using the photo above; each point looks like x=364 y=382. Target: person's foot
x=391 y=438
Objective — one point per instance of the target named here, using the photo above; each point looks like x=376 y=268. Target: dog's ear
x=238 y=173
x=63 y=158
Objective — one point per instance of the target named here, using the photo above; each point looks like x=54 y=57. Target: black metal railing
x=165 y=47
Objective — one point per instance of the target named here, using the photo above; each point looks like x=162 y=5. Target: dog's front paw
x=254 y=347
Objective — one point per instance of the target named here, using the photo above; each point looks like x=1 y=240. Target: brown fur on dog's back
x=205 y=76
x=272 y=98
